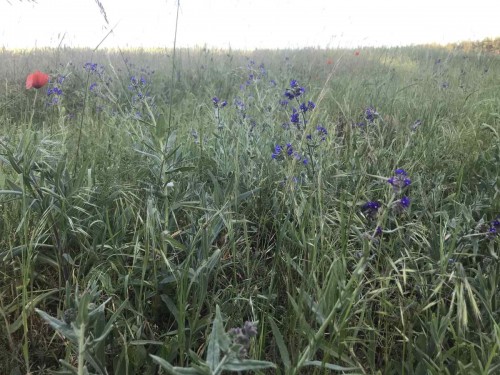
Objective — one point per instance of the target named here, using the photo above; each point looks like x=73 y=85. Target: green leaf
x=247 y=365
x=175 y=370
x=60 y=326
x=218 y=341
x=285 y=356
x=67 y=365
x=14 y=192
x=171 y=306
x=329 y=366
x=109 y=324
x=180 y=169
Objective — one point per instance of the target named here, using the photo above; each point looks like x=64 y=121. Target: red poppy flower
x=329 y=61
x=36 y=80
x=356 y=53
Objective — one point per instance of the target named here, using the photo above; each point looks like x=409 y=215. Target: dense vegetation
x=344 y=204
x=488 y=45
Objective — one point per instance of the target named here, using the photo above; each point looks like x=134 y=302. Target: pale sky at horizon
x=246 y=24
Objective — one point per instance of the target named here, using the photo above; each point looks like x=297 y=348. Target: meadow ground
x=340 y=208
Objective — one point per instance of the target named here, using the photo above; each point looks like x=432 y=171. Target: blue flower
x=371 y=205
x=400 y=180
x=294 y=118
x=93 y=86
x=218 y=103
x=90 y=67
x=494 y=229
x=371 y=114
x=371 y=208
x=322 y=132
x=277 y=151
x=311 y=105
x=54 y=91
x=405 y=202
x=303 y=107
x=239 y=104
x=295 y=90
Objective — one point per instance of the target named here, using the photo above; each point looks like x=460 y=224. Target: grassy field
x=286 y=212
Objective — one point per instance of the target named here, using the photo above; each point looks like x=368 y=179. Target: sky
x=246 y=24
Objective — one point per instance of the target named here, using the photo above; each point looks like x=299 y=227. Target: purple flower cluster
x=288 y=151
x=94 y=68
x=294 y=117
x=218 y=103
x=55 y=91
x=297 y=117
x=255 y=74
x=295 y=90
x=321 y=132
x=371 y=114
x=137 y=82
x=371 y=208
x=494 y=229
x=241 y=337
x=400 y=180
x=99 y=73
x=404 y=203
x=307 y=107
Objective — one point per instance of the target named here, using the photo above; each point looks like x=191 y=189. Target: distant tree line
x=486 y=45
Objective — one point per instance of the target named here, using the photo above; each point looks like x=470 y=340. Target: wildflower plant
x=99 y=88
x=55 y=91
x=399 y=181
x=370 y=209
x=226 y=351
x=254 y=104
x=141 y=100
x=299 y=112
x=297 y=117
x=218 y=105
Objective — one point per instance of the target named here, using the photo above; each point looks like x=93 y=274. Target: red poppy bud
x=36 y=80
x=356 y=53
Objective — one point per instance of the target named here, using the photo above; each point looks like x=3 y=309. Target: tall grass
x=134 y=238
